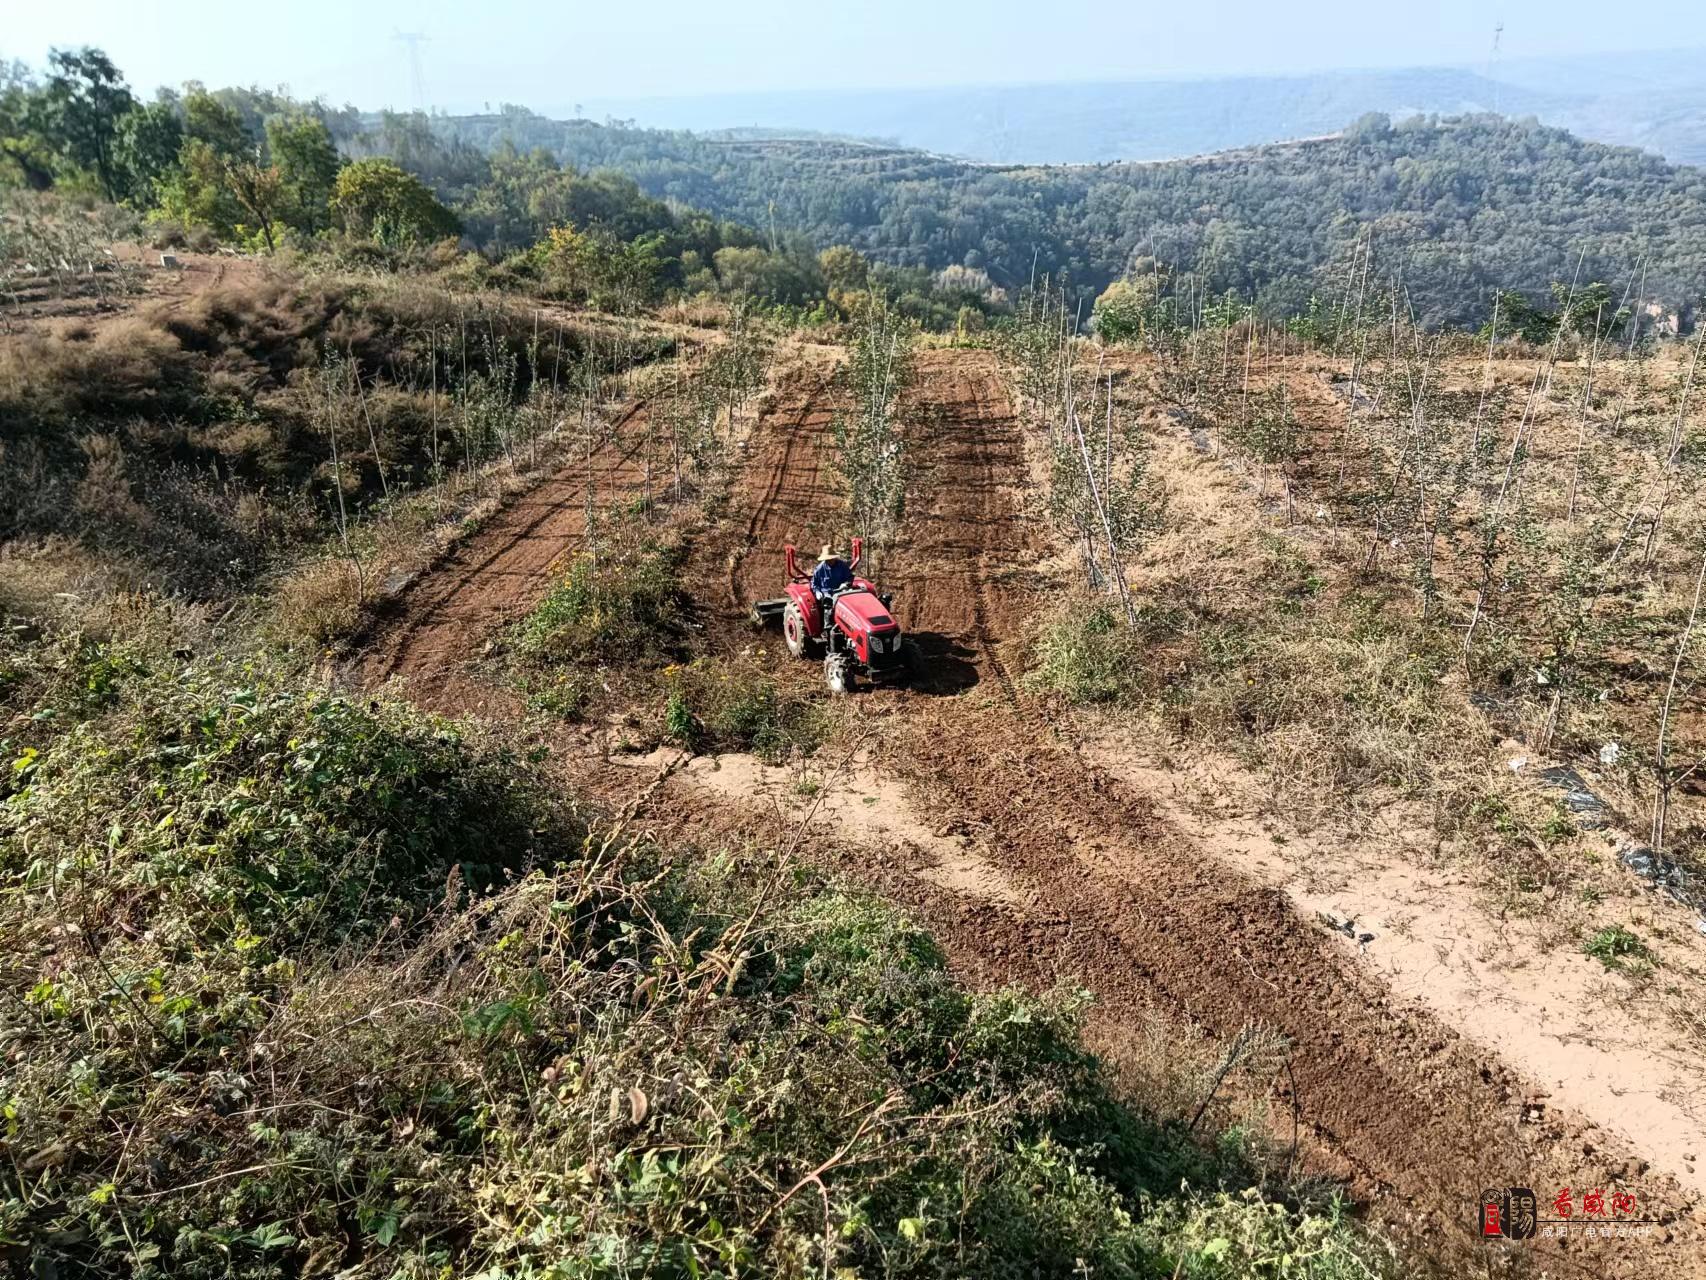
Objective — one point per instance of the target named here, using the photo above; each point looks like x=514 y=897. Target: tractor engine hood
x=860 y=613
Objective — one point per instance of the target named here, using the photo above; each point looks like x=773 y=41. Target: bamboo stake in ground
x=1489 y=550
x=372 y=436
x=1115 y=565
x=332 y=414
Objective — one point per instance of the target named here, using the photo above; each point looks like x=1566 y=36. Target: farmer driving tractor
x=843 y=617
x=831 y=574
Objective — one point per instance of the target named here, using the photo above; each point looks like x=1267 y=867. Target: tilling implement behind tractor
x=852 y=627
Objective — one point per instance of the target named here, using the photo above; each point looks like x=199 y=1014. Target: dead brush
x=58 y=584
x=699 y=312
x=125 y=367
x=318 y=603
x=104 y=492
x=1526 y=505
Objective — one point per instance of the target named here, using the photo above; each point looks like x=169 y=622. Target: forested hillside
x=1455 y=208
x=258 y=171
x=1654 y=99
x=1458 y=206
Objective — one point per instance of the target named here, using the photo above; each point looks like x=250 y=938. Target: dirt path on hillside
x=441 y=623
x=785 y=493
x=1045 y=867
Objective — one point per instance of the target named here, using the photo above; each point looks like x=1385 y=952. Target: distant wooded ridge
x=1457 y=207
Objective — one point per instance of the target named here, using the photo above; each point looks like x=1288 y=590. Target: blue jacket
x=830 y=576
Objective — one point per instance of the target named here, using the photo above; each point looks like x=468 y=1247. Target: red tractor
x=853 y=628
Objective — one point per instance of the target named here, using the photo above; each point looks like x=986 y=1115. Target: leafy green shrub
x=679 y=722
x=1122 y=311
x=1247 y=1236
x=608 y=607
x=1559 y=826
x=208 y=803
x=566 y=695
x=616 y=1073
x=1087 y=654
x=1268 y=430
x=735 y=706
x=256 y=1027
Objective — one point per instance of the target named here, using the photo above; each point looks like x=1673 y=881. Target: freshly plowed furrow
x=788 y=491
x=963 y=538
x=1413 y=1117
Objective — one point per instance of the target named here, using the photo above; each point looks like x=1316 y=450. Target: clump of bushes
x=1618 y=948
x=127 y=367
x=735 y=706
x=1087 y=654
x=614 y=603
x=182 y=805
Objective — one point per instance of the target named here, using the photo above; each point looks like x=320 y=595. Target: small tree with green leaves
x=375 y=198
x=871 y=454
x=307 y=161
x=736 y=367
x=225 y=182
x=1122 y=310
x=83 y=102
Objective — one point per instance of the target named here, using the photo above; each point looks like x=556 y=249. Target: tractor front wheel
x=794 y=630
x=838 y=673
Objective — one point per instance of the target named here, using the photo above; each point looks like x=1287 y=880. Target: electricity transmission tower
x=413 y=40
x=1493 y=63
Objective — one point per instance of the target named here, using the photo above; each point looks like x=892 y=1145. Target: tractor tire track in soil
x=787 y=489
x=960 y=567
x=436 y=627
x=1101 y=889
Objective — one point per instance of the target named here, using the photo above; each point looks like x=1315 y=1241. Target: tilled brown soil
x=786 y=493
x=438 y=626
x=1414 y=1119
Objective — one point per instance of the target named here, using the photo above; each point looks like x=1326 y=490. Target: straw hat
x=828 y=553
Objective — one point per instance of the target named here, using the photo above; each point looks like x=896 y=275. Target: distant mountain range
x=1656 y=101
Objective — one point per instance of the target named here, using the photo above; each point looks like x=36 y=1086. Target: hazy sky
x=552 y=55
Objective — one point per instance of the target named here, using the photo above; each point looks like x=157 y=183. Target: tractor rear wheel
x=794 y=630
x=838 y=673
